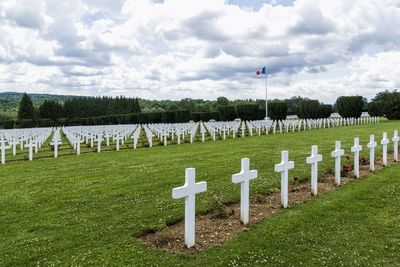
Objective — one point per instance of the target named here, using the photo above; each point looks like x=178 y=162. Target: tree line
x=120 y=110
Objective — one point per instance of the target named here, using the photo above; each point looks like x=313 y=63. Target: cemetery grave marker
x=395 y=141
x=283 y=167
x=384 y=143
x=188 y=191
x=337 y=153
x=243 y=178
x=356 y=150
x=371 y=145
x=313 y=160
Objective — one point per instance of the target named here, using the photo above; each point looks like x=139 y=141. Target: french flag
x=262 y=71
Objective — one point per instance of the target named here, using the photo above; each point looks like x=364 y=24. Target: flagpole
x=266 y=97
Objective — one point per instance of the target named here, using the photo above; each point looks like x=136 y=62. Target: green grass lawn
x=88 y=209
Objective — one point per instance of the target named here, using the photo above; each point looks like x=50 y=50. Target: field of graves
x=91 y=209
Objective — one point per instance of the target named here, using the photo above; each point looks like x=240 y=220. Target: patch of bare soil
x=212 y=230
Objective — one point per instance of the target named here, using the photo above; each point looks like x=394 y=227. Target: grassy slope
x=87 y=210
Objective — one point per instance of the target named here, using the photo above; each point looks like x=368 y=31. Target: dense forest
x=9 y=103
x=51 y=110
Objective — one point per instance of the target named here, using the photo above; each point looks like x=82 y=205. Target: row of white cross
x=33 y=139
x=76 y=135
x=91 y=134
x=305 y=124
x=165 y=131
x=189 y=190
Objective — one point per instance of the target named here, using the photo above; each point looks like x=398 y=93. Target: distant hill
x=9 y=101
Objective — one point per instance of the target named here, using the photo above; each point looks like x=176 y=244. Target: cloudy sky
x=174 y=49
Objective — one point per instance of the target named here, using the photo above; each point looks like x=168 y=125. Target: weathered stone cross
x=313 y=160
x=283 y=167
x=244 y=177
x=337 y=153
x=356 y=150
x=189 y=191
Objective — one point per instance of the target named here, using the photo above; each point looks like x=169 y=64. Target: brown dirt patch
x=212 y=231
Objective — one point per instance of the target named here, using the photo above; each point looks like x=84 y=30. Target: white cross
x=135 y=140
x=179 y=136
x=244 y=177
x=36 y=145
x=3 y=150
x=78 y=141
x=123 y=138
x=371 y=145
x=337 y=153
x=99 y=139
x=313 y=160
x=356 y=150
x=117 y=138
x=384 y=143
x=30 y=145
x=91 y=140
x=107 y=139
x=14 y=144
x=189 y=191
x=283 y=167
x=395 y=141
x=55 y=143
x=192 y=133
x=150 y=139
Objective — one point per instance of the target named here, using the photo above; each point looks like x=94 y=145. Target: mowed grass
x=88 y=209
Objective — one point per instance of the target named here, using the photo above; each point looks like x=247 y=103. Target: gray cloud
x=25 y=16
x=313 y=22
x=203 y=26
x=93 y=45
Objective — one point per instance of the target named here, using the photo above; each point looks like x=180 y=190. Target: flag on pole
x=262 y=71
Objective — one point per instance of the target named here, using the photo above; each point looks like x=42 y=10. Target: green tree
x=248 y=111
x=26 y=109
x=325 y=111
x=386 y=103
x=228 y=112
x=182 y=115
x=222 y=101
x=277 y=110
x=350 y=106
x=308 y=109
x=294 y=104
x=375 y=108
x=50 y=109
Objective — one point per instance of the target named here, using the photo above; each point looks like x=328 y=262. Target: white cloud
x=199 y=49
